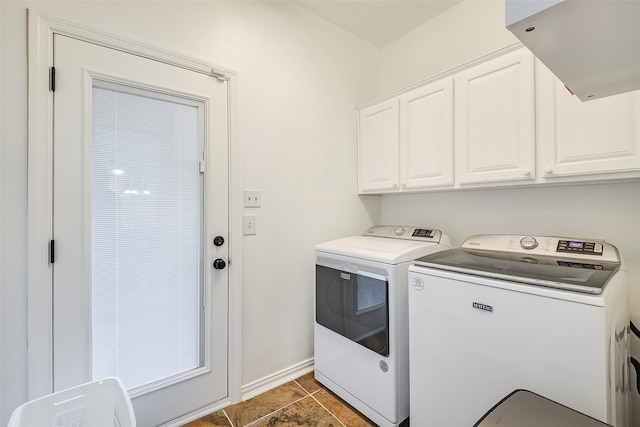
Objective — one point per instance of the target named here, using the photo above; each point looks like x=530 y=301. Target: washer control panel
x=550 y=246
x=405 y=232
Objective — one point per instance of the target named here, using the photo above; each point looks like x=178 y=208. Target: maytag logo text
x=483 y=307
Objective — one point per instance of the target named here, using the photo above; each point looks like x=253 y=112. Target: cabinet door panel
x=378 y=147
x=426 y=136
x=583 y=138
x=494 y=113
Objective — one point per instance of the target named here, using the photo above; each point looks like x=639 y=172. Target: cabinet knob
x=526 y=172
x=548 y=171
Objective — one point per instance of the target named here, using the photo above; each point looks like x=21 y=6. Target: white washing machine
x=501 y=313
x=361 y=338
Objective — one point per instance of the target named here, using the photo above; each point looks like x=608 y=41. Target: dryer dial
x=398 y=231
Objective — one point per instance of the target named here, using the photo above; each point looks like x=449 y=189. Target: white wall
x=299 y=79
x=12 y=222
x=1 y=167
x=464 y=32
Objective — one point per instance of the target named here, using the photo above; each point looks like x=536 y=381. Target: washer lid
x=563 y=273
x=391 y=249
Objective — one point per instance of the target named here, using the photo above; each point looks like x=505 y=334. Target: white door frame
x=42 y=27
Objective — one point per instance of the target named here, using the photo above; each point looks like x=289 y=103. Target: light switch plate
x=248 y=224
x=252 y=198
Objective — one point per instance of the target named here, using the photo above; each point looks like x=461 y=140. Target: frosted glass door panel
x=146 y=276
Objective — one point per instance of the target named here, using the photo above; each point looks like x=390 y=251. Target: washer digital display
x=576 y=246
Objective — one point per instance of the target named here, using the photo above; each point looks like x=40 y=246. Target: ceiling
x=377 y=21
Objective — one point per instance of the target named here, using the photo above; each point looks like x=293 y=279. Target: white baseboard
x=276 y=379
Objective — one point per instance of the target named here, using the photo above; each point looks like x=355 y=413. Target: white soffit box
x=592 y=46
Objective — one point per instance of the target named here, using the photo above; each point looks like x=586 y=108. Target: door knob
x=218 y=240
x=219 y=264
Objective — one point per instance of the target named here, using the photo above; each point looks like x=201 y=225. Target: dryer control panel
x=406 y=232
x=553 y=246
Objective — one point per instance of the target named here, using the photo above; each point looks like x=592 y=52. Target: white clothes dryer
x=501 y=313
x=360 y=332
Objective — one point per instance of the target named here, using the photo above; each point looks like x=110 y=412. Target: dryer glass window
x=371 y=293
x=354 y=305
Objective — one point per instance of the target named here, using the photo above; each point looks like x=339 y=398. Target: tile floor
x=302 y=402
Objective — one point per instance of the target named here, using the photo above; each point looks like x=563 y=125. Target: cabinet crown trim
x=447 y=73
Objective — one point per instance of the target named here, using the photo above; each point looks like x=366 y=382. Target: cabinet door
x=494 y=115
x=426 y=136
x=584 y=138
x=378 y=147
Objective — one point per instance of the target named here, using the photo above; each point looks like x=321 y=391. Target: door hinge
x=51 y=251
x=52 y=79
x=202 y=166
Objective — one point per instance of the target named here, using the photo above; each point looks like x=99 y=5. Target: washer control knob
x=398 y=231
x=528 y=243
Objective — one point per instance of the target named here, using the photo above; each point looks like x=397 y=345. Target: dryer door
x=354 y=305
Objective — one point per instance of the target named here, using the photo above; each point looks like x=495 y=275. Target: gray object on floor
x=523 y=408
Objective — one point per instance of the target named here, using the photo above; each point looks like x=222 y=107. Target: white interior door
x=140 y=191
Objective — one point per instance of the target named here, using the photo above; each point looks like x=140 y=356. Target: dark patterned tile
x=246 y=412
x=217 y=419
x=306 y=412
x=341 y=410
x=309 y=383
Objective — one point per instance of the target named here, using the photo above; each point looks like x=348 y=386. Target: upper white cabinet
x=378 y=147
x=406 y=143
x=426 y=136
x=494 y=120
x=502 y=120
x=584 y=140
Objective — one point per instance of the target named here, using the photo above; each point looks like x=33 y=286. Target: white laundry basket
x=103 y=403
